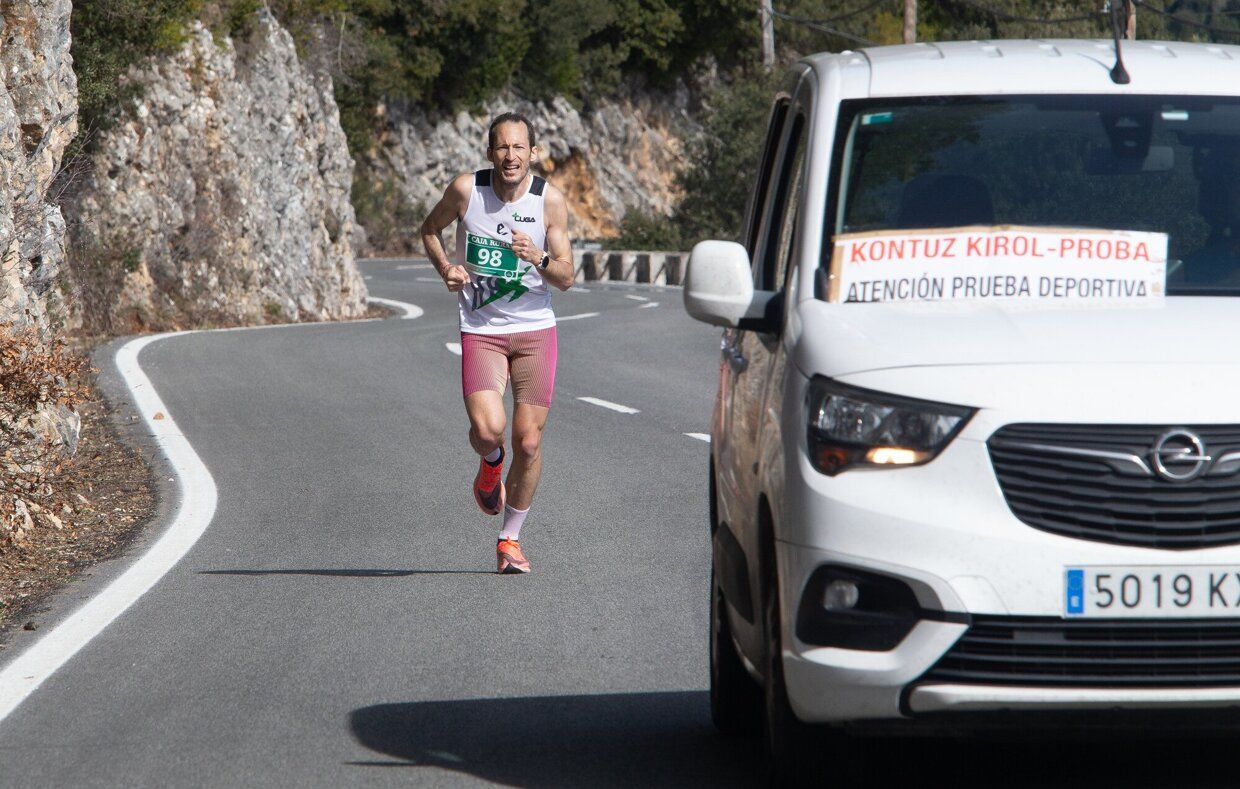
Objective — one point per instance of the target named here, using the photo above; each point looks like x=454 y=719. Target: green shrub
x=723 y=163
x=648 y=231
x=391 y=221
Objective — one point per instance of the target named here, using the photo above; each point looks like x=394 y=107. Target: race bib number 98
x=489 y=257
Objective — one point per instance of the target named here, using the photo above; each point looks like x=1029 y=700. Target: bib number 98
x=490 y=257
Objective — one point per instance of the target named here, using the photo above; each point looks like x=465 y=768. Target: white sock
x=512 y=523
x=495 y=455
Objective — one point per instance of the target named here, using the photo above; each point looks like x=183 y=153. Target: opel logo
x=1179 y=455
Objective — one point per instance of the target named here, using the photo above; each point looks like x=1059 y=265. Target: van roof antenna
x=1117 y=10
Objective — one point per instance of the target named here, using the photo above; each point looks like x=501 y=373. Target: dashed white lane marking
x=624 y=409
x=410 y=310
x=578 y=315
x=455 y=347
x=409 y=266
x=636 y=298
x=699 y=436
x=649 y=304
x=367 y=277
x=195 y=510
x=197 y=506
x=429 y=279
x=577 y=289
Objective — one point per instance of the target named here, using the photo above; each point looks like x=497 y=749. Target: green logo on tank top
x=489 y=289
x=490 y=257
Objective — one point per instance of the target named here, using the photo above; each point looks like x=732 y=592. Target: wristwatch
x=546 y=261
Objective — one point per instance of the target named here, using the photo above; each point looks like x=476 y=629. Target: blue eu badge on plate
x=1075 y=602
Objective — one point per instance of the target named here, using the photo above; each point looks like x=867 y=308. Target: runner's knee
x=527 y=445
x=490 y=433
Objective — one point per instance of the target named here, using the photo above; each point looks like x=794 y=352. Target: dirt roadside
x=89 y=512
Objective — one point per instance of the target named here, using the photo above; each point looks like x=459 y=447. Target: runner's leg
x=484 y=375
x=533 y=383
x=528 y=422
x=487 y=421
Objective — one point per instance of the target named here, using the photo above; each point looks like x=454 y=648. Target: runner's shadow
x=632 y=739
x=348 y=573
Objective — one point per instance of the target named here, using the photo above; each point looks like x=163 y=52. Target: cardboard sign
x=998 y=263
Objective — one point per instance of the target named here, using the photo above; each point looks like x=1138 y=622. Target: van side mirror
x=719 y=286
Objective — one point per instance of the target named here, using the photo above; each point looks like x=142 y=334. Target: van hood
x=1175 y=361
x=842 y=339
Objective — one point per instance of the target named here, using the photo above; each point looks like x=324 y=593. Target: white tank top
x=505 y=294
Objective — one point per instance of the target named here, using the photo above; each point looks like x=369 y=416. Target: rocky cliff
x=38 y=119
x=221 y=196
x=621 y=154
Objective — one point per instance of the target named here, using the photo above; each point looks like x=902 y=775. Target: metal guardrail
x=654 y=268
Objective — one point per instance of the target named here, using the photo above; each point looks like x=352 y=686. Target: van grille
x=1046 y=651
x=1088 y=498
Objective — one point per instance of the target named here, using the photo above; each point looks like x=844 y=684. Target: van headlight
x=851 y=427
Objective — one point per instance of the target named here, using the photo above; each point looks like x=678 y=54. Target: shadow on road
x=345 y=573
x=1128 y=763
x=634 y=739
x=666 y=739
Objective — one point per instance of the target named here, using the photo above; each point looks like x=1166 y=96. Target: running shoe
x=488 y=489
x=509 y=559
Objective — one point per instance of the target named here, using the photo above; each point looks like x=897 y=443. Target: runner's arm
x=449 y=209
x=560 y=272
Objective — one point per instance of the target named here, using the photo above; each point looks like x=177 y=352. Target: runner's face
x=511 y=152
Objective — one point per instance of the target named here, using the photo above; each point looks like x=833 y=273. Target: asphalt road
x=340 y=622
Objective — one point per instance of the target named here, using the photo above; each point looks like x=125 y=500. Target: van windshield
x=1163 y=164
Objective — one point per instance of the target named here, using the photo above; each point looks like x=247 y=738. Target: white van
x=976 y=447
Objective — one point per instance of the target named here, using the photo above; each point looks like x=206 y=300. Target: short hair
x=509 y=117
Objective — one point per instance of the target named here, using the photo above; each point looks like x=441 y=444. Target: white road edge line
x=198 y=498
x=636 y=298
x=578 y=315
x=624 y=409
x=699 y=436
x=455 y=347
x=648 y=304
x=410 y=310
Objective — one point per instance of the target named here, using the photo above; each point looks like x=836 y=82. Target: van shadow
x=631 y=739
x=666 y=739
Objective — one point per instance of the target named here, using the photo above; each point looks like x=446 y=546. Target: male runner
x=511 y=242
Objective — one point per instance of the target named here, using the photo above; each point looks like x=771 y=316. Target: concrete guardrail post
x=615 y=266
x=642 y=267
x=589 y=267
x=673 y=269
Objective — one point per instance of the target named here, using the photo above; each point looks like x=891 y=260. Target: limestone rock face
x=623 y=153
x=38 y=119
x=222 y=195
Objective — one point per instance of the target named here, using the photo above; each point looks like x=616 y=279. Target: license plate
x=1152 y=591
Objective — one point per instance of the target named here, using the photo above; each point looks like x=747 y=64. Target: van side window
x=766 y=169
x=777 y=260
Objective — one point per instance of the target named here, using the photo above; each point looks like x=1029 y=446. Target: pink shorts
x=488 y=360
